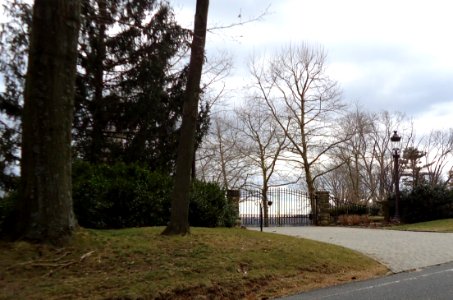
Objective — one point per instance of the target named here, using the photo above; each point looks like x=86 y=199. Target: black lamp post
x=269 y=203
x=395 y=138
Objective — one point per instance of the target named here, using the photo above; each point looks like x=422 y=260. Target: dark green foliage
x=349 y=209
x=131 y=77
x=375 y=209
x=424 y=203
x=121 y=195
x=209 y=206
x=13 y=65
x=129 y=101
x=412 y=164
x=6 y=207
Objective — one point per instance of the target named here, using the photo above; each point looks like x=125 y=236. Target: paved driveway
x=398 y=250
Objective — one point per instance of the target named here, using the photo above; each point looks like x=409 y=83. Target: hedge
x=123 y=195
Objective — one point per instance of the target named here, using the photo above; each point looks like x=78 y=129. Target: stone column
x=322 y=198
x=233 y=197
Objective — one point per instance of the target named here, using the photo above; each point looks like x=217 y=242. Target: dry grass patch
x=139 y=263
x=445 y=225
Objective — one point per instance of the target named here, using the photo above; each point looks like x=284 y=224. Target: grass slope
x=139 y=263
x=445 y=225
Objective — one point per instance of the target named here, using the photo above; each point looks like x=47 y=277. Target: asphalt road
x=434 y=282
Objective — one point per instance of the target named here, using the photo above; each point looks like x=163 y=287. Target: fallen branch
x=51 y=263
x=86 y=255
x=59 y=266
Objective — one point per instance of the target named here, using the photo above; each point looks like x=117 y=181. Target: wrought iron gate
x=289 y=207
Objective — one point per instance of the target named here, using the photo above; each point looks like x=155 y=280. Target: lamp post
x=395 y=138
x=269 y=203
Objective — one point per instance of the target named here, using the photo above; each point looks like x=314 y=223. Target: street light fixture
x=269 y=203
x=395 y=138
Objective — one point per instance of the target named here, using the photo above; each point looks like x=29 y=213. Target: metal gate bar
x=289 y=207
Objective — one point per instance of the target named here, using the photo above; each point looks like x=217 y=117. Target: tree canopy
x=131 y=74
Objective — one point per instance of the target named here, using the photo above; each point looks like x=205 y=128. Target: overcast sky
x=394 y=55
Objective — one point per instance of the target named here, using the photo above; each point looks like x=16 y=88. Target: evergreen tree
x=131 y=78
x=13 y=57
x=129 y=102
x=412 y=167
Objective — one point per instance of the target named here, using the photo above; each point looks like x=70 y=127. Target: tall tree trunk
x=265 y=204
x=44 y=210
x=179 y=218
x=311 y=194
x=98 y=126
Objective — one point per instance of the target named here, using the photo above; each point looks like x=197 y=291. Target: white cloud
x=438 y=117
x=386 y=54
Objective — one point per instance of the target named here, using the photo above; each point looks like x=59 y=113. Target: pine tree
x=129 y=102
x=14 y=45
x=131 y=77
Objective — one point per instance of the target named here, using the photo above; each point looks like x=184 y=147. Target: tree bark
x=44 y=211
x=179 y=218
x=99 y=119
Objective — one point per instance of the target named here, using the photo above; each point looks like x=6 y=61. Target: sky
x=394 y=55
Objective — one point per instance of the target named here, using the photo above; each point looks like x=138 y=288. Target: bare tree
x=357 y=163
x=336 y=183
x=438 y=146
x=219 y=158
x=261 y=141
x=384 y=123
x=366 y=158
x=305 y=104
x=215 y=71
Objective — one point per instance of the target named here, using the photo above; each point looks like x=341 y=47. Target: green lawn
x=139 y=263
x=445 y=225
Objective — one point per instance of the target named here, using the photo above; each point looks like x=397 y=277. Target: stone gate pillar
x=233 y=197
x=322 y=199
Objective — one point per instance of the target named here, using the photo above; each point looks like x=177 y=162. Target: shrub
x=375 y=209
x=424 y=203
x=119 y=196
x=348 y=209
x=209 y=206
x=6 y=206
x=123 y=195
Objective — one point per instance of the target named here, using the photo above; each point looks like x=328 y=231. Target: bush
x=424 y=203
x=348 y=209
x=209 y=206
x=119 y=196
x=375 y=209
x=123 y=195
x=6 y=206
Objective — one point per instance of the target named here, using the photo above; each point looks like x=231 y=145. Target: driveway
x=398 y=250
